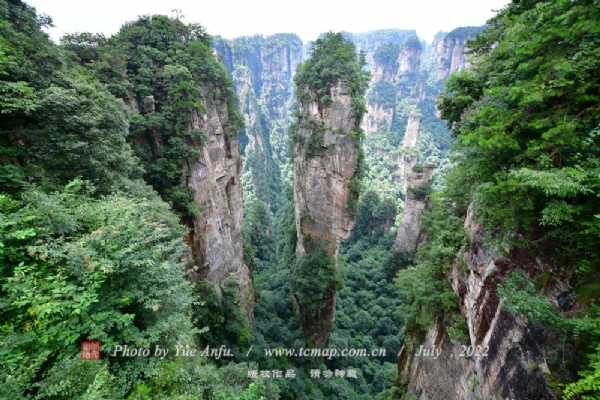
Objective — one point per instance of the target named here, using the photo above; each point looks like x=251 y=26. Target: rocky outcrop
x=323 y=170
x=215 y=235
x=412 y=131
x=510 y=357
x=449 y=51
x=409 y=234
x=408 y=158
x=451 y=57
x=325 y=161
x=410 y=59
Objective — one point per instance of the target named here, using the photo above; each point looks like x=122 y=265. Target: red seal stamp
x=90 y=350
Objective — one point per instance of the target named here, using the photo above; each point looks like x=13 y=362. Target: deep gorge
x=163 y=187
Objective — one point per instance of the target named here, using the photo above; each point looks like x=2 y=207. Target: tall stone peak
x=410 y=56
x=409 y=234
x=215 y=235
x=325 y=160
x=328 y=171
x=448 y=50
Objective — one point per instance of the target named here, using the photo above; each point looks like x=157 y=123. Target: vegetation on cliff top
x=166 y=71
x=334 y=58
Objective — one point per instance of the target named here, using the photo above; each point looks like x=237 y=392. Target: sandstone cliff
x=326 y=159
x=448 y=51
x=379 y=111
x=409 y=234
x=214 y=177
x=215 y=237
x=520 y=357
x=410 y=59
x=409 y=157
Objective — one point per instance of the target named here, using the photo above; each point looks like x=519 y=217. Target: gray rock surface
x=409 y=233
x=519 y=357
x=449 y=55
x=321 y=181
x=410 y=59
x=215 y=237
x=321 y=187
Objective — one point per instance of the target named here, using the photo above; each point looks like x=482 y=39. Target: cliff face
x=214 y=177
x=450 y=56
x=410 y=59
x=448 y=50
x=215 y=237
x=376 y=111
x=322 y=175
x=325 y=160
x=280 y=56
x=519 y=355
x=409 y=234
x=409 y=143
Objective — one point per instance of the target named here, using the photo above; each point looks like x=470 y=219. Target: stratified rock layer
x=517 y=363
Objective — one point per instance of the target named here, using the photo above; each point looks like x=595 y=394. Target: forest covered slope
x=284 y=201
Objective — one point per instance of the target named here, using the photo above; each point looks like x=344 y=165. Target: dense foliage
x=166 y=73
x=92 y=195
x=526 y=123
x=365 y=306
x=88 y=251
x=333 y=58
x=386 y=55
x=56 y=122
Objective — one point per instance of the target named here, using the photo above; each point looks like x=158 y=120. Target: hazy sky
x=307 y=18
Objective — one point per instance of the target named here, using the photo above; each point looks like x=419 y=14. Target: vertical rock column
x=409 y=234
x=325 y=161
x=410 y=63
x=328 y=172
x=215 y=237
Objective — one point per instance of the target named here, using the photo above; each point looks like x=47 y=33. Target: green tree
x=526 y=125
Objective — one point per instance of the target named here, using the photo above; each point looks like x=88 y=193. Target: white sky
x=307 y=18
